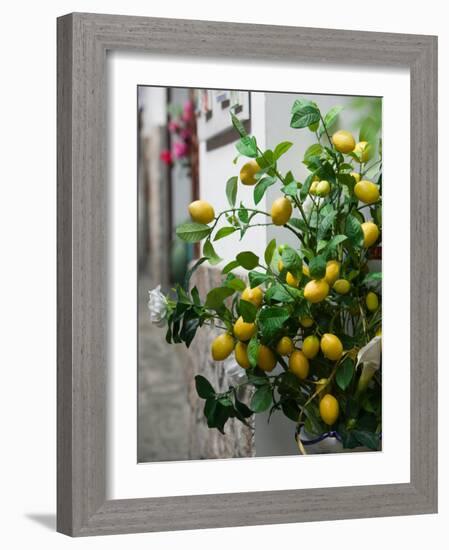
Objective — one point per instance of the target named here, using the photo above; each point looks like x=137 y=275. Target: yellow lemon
x=370 y=233
x=342 y=286
x=281 y=210
x=356 y=176
x=332 y=271
x=372 y=301
x=222 y=346
x=291 y=279
x=329 y=409
x=343 y=141
x=253 y=295
x=201 y=211
x=280 y=265
x=306 y=322
x=379 y=331
x=266 y=360
x=241 y=355
x=366 y=191
x=248 y=171
x=305 y=270
x=331 y=347
x=323 y=188
x=244 y=331
x=316 y=291
x=298 y=364
x=311 y=346
x=285 y=346
x=312 y=188
x=363 y=150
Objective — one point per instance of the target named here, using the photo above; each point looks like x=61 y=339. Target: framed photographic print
x=243 y=241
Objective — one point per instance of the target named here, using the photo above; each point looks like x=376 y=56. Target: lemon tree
x=299 y=319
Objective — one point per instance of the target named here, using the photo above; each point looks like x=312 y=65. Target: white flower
x=369 y=357
x=157 y=305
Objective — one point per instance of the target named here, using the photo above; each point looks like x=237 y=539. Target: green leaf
x=291 y=260
x=326 y=223
x=191 y=271
x=261 y=400
x=231 y=190
x=261 y=186
x=248 y=260
x=192 y=232
x=368 y=439
x=317 y=267
x=243 y=214
x=335 y=241
x=321 y=245
x=236 y=284
x=290 y=409
x=375 y=276
x=247 y=146
x=256 y=278
x=345 y=372
x=331 y=118
x=305 y=188
x=368 y=131
x=269 y=251
x=305 y=115
x=291 y=189
x=238 y=125
x=314 y=150
x=248 y=311
x=282 y=294
x=230 y=266
x=252 y=351
x=282 y=148
x=272 y=319
x=216 y=297
x=203 y=387
x=353 y=230
x=224 y=232
x=210 y=254
x=243 y=410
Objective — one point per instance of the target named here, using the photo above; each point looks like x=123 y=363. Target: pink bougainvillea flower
x=166 y=157
x=180 y=149
x=173 y=126
x=187 y=113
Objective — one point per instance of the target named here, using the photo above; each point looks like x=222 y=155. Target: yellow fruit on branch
x=322 y=386
x=222 y=346
x=298 y=364
x=244 y=331
x=285 y=346
x=323 y=188
x=281 y=210
x=370 y=233
x=364 y=151
x=366 y=191
x=306 y=322
x=342 y=286
x=266 y=360
x=248 y=172
x=329 y=409
x=343 y=141
x=201 y=211
x=312 y=188
x=372 y=301
x=291 y=279
x=305 y=270
x=241 y=355
x=253 y=295
x=331 y=347
x=311 y=346
x=316 y=291
x=332 y=271
x=280 y=265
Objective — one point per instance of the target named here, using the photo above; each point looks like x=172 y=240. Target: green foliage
x=324 y=228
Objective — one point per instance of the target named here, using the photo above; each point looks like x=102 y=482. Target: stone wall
x=238 y=440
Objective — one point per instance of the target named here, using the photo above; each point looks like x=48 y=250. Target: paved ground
x=164 y=414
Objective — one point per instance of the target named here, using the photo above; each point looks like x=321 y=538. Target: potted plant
x=313 y=308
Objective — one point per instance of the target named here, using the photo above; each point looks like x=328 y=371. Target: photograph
x=259 y=274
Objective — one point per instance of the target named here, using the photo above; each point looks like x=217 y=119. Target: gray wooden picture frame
x=83 y=41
